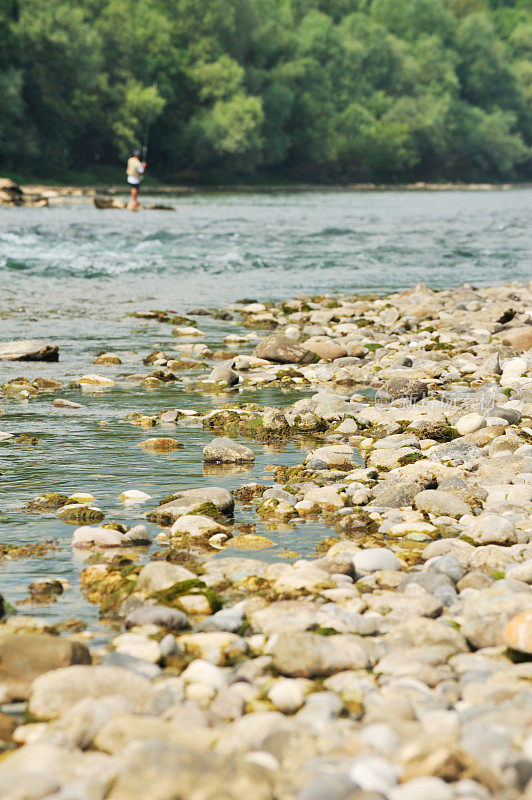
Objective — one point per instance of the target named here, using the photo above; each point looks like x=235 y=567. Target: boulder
x=309 y=655
x=185 y=501
x=53 y=693
x=327 y=350
x=28 y=350
x=406 y=387
x=223 y=450
x=24 y=656
x=518 y=632
x=441 y=503
x=520 y=337
x=172 y=768
x=159 y=575
x=162 y=616
x=282 y=350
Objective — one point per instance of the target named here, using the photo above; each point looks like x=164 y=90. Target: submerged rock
x=28 y=350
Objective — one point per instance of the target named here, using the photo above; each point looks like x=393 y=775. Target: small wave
x=330 y=232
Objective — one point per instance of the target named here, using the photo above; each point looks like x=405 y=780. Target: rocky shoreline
x=396 y=664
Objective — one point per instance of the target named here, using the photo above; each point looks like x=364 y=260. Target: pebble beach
x=337 y=607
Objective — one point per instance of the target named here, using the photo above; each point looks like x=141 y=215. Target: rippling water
x=70 y=274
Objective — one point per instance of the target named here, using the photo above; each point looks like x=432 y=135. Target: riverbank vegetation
x=307 y=90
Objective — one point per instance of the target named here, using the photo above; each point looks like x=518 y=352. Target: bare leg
x=134 y=193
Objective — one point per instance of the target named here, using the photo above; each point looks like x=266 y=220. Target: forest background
x=268 y=90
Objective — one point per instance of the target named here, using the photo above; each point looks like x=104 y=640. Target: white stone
x=287 y=695
x=374 y=559
x=374 y=774
x=133 y=644
x=470 y=423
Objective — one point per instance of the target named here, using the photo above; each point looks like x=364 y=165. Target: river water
x=71 y=273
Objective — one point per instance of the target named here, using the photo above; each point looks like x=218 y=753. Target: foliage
x=315 y=90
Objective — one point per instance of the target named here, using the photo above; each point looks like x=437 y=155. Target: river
x=70 y=274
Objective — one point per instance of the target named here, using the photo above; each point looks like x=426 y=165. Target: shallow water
x=70 y=274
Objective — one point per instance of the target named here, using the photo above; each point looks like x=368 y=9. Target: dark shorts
x=134 y=185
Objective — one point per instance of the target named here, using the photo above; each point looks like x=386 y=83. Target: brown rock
x=518 y=632
x=7 y=726
x=520 y=338
x=406 y=387
x=161 y=445
x=328 y=350
x=282 y=350
x=24 y=656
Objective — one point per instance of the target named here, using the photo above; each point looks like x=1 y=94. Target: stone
x=138 y=535
x=218 y=647
x=60 y=402
x=287 y=695
x=282 y=350
x=470 y=423
x=520 y=337
x=159 y=575
x=160 y=445
x=335 y=456
x=28 y=350
x=491 y=529
x=26 y=655
x=327 y=350
x=226 y=451
x=486 y=614
x=329 y=787
x=374 y=774
x=518 y=632
x=441 y=503
x=458 y=450
x=197 y=526
x=162 y=616
x=422 y=789
x=224 y=373
x=273 y=419
x=150 y=763
x=410 y=388
x=89 y=536
x=134 y=497
x=185 y=501
x=309 y=655
x=137 y=646
x=394 y=495
x=373 y=559
x=326 y=497
x=53 y=693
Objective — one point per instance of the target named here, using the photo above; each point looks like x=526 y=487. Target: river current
x=70 y=274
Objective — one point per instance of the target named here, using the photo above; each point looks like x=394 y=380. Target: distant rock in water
x=13 y=195
x=28 y=350
x=105 y=203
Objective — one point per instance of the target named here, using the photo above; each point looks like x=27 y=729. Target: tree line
x=310 y=90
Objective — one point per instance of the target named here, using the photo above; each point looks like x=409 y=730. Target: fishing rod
x=147 y=127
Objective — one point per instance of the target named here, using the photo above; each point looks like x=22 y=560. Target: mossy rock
x=28 y=439
x=298 y=474
x=245 y=494
x=181 y=556
x=110 y=589
x=439 y=431
x=81 y=514
x=221 y=420
x=51 y=501
x=170 y=596
x=34 y=550
x=208 y=509
x=411 y=458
